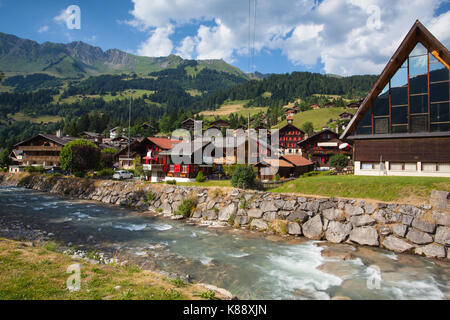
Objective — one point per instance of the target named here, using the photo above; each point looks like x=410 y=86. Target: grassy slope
x=22 y=117
x=207 y=184
x=319 y=118
x=29 y=273
x=399 y=189
x=233 y=107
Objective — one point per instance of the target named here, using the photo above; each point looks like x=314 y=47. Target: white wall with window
x=415 y=169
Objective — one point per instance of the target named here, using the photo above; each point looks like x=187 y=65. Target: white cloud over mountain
x=346 y=36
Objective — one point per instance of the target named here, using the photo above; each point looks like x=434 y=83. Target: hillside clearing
x=319 y=117
x=232 y=107
x=23 y=117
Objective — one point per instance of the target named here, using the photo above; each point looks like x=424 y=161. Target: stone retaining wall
x=401 y=228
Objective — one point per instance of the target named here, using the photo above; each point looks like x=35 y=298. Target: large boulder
x=365 y=236
x=395 y=244
x=440 y=199
x=241 y=220
x=299 y=215
x=293 y=228
x=312 y=229
x=399 y=230
x=267 y=206
x=166 y=208
x=338 y=232
x=270 y=216
x=419 y=237
x=443 y=235
x=353 y=210
x=424 y=225
x=226 y=213
x=333 y=214
x=441 y=218
x=255 y=213
x=362 y=220
x=290 y=205
x=259 y=224
x=431 y=251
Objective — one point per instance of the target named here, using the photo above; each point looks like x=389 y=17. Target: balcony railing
x=40 y=159
x=39 y=148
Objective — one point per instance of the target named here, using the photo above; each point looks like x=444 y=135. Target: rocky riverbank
x=422 y=230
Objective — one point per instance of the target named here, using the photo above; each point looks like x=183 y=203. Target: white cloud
x=339 y=33
x=62 y=17
x=158 y=44
x=43 y=29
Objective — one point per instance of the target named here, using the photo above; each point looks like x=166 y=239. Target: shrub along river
x=247 y=264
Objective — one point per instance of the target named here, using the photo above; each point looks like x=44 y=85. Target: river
x=247 y=264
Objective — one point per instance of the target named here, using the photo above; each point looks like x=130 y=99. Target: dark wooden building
x=188 y=124
x=40 y=150
x=220 y=124
x=403 y=125
x=289 y=137
x=321 y=146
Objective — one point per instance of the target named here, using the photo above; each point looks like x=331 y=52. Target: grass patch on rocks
x=39 y=273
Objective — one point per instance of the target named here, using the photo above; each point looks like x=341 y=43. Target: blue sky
x=330 y=36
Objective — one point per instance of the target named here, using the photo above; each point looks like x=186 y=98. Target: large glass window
x=439 y=92
x=416 y=99
x=419 y=103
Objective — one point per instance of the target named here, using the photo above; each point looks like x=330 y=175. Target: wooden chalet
x=188 y=124
x=345 y=116
x=289 y=166
x=40 y=150
x=220 y=124
x=321 y=146
x=146 y=152
x=403 y=125
x=289 y=136
x=354 y=105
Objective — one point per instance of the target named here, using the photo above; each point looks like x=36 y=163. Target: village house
x=188 y=124
x=146 y=152
x=289 y=166
x=314 y=106
x=220 y=124
x=354 y=105
x=94 y=137
x=321 y=146
x=289 y=136
x=345 y=116
x=403 y=125
x=40 y=150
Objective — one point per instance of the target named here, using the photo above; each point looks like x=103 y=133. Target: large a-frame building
x=403 y=125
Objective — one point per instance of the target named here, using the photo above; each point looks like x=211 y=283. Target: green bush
x=139 y=171
x=200 y=177
x=105 y=173
x=171 y=182
x=79 y=174
x=339 y=161
x=243 y=177
x=80 y=155
x=31 y=169
x=186 y=207
x=277 y=177
x=149 y=196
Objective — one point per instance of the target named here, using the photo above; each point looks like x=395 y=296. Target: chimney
x=59 y=133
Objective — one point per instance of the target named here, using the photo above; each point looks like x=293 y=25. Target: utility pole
x=129 y=128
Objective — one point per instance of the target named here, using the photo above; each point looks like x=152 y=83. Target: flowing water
x=246 y=264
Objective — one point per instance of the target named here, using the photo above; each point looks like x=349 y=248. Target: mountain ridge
x=78 y=59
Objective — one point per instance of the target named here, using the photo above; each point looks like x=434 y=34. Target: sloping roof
x=297 y=160
x=276 y=162
x=317 y=134
x=163 y=143
x=61 y=141
x=418 y=33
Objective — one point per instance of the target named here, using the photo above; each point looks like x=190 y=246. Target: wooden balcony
x=39 y=148
x=40 y=159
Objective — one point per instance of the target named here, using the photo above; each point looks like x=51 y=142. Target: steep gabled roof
x=61 y=141
x=418 y=33
x=297 y=160
x=315 y=135
x=163 y=143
